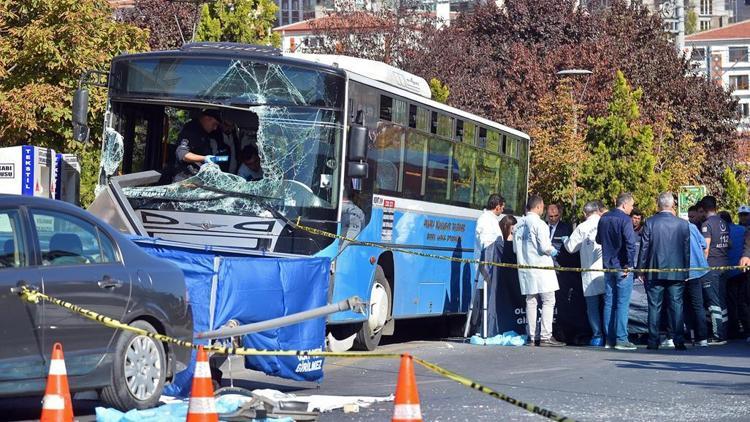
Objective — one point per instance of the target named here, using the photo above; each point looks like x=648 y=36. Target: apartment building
x=723 y=55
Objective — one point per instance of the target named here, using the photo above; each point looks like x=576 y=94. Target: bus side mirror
x=80 y=115
x=357 y=143
x=357 y=170
x=357 y=155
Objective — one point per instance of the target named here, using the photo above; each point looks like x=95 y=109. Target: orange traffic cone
x=202 y=407
x=406 y=407
x=56 y=404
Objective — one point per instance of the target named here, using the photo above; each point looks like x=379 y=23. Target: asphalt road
x=700 y=384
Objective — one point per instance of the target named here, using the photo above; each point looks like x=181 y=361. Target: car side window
x=67 y=240
x=109 y=253
x=12 y=251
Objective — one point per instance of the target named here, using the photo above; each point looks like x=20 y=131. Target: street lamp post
x=570 y=73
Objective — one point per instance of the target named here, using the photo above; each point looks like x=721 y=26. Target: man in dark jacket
x=665 y=243
x=716 y=233
x=615 y=234
x=571 y=323
x=194 y=145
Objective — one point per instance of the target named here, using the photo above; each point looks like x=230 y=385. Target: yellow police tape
x=319 y=232
x=33 y=296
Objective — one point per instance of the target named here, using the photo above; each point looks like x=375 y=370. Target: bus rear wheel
x=379 y=312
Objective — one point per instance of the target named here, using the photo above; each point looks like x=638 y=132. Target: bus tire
x=379 y=312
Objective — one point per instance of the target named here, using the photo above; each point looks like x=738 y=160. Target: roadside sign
x=689 y=196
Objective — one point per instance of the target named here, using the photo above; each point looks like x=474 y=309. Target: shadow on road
x=681 y=366
x=426 y=329
x=726 y=388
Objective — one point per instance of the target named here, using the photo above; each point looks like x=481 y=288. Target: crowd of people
x=683 y=265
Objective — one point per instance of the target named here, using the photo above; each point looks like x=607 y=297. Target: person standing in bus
x=533 y=246
x=194 y=145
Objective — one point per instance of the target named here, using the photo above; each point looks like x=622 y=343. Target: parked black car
x=69 y=254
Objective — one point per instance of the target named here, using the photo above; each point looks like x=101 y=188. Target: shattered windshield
x=291 y=114
x=299 y=157
x=226 y=81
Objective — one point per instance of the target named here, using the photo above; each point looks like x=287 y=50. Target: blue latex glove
x=217 y=158
x=554 y=253
x=564 y=239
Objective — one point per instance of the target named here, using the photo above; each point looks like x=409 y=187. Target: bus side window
x=400 y=112
x=386 y=108
x=487 y=177
x=412 y=116
x=423 y=119
x=493 y=141
x=463 y=173
x=470 y=133
x=482 y=140
x=509 y=178
x=439 y=163
x=386 y=152
x=444 y=126
x=414 y=165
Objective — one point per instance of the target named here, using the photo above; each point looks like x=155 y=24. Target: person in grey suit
x=665 y=243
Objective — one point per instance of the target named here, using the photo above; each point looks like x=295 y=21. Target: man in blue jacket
x=665 y=243
x=615 y=234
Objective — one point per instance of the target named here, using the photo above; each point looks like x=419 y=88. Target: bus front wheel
x=379 y=312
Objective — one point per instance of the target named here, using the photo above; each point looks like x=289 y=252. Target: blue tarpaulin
x=253 y=289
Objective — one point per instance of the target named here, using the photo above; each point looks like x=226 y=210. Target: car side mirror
x=80 y=115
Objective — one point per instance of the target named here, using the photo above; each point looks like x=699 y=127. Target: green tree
x=735 y=192
x=45 y=46
x=622 y=158
x=691 y=22
x=677 y=158
x=440 y=91
x=243 y=21
x=559 y=150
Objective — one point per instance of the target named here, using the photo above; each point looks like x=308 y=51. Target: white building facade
x=723 y=55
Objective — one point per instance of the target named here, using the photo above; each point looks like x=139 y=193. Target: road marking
x=534 y=371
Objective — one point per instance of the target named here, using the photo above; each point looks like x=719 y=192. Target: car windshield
x=299 y=150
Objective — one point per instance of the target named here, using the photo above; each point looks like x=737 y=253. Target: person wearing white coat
x=488 y=224
x=583 y=239
x=532 y=245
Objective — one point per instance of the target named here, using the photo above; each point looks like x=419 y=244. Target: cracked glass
x=112 y=154
x=299 y=158
x=292 y=113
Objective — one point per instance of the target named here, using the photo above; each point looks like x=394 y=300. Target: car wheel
x=379 y=311
x=138 y=372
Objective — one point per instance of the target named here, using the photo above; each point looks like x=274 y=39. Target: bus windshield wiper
x=260 y=200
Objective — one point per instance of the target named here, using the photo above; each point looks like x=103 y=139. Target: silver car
x=69 y=254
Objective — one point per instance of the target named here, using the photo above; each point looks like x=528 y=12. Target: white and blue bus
x=335 y=134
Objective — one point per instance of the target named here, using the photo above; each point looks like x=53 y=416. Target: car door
x=82 y=265
x=21 y=356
